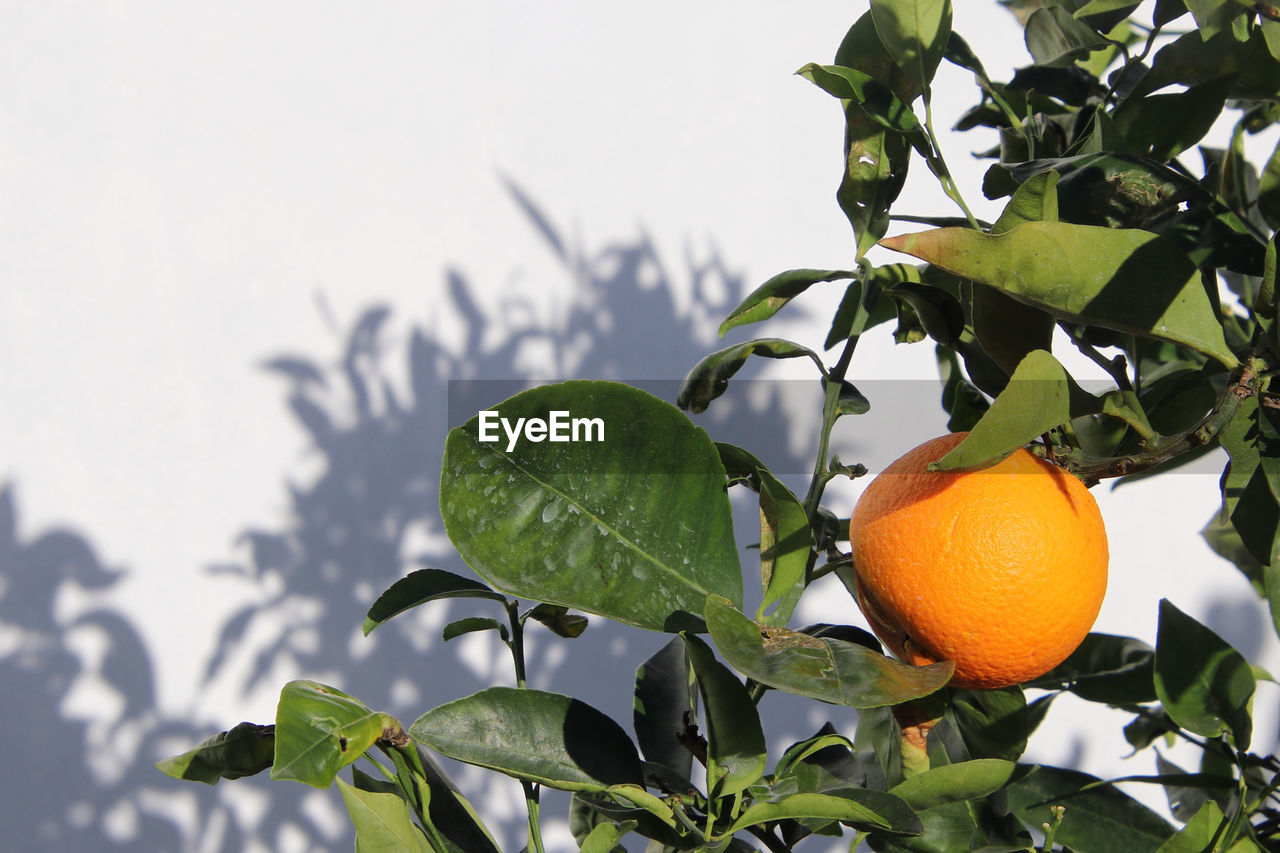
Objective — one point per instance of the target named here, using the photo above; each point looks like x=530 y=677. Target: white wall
x=190 y=191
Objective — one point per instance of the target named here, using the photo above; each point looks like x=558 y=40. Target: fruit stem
x=916 y=719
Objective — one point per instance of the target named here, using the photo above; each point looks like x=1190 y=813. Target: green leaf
x=1110 y=189
x=822 y=668
x=584 y=820
x=543 y=737
x=1106 y=668
x=653 y=816
x=961 y=399
x=735 y=739
x=454 y=818
x=605 y=837
x=846 y=809
x=1272 y=580
x=1271 y=33
x=422 y=586
x=876 y=159
x=710 y=377
x=1118 y=278
x=1215 y=16
x=243 y=751
x=1163 y=126
x=1204 y=684
x=557 y=619
x=1055 y=38
x=991 y=723
x=1199 y=834
x=767 y=299
x=471 y=624
x=383 y=822
x=914 y=32
x=1036 y=400
x=876 y=163
x=863 y=308
x=1101 y=7
x=952 y=783
x=819 y=764
x=1185 y=792
x=664 y=695
x=1098 y=819
x=878 y=100
x=785 y=545
x=1191 y=60
x=1222 y=536
x=851 y=401
x=602 y=526
x=1035 y=200
x=1269 y=189
x=320 y=730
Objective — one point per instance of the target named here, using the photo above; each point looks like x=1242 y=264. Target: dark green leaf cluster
x=1153 y=257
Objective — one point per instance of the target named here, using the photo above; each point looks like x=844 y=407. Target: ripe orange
x=1000 y=570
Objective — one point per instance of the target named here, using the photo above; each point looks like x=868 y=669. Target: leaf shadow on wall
x=79 y=700
x=371 y=515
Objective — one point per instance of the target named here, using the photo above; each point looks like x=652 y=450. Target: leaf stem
x=938 y=165
x=1115 y=367
x=516 y=644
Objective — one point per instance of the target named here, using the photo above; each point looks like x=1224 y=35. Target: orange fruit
x=1000 y=570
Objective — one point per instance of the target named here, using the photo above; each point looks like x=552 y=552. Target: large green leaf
x=243 y=751
x=422 y=586
x=635 y=527
x=914 y=32
x=1098 y=818
x=1037 y=399
x=383 y=822
x=1118 y=278
x=823 y=668
x=767 y=299
x=320 y=730
x=548 y=738
x=735 y=740
x=1204 y=684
